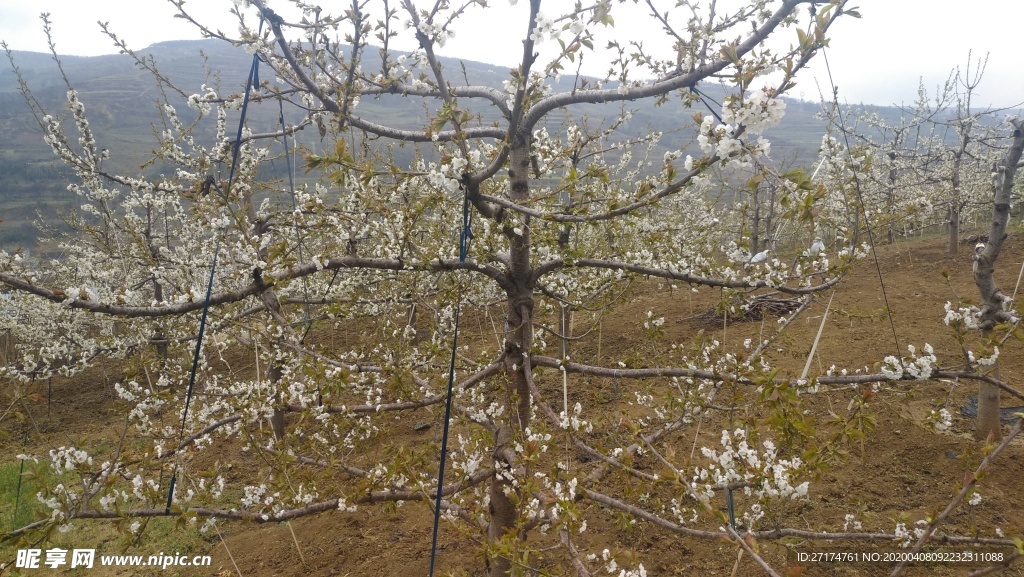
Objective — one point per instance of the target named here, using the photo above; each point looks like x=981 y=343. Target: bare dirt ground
x=904 y=471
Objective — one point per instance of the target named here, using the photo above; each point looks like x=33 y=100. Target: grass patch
x=18 y=487
x=159 y=535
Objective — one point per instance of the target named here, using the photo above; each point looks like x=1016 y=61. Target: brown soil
x=904 y=471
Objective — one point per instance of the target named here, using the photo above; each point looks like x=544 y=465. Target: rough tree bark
x=755 y=220
x=995 y=306
x=518 y=340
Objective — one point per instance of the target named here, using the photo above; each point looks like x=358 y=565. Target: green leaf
x=602 y=13
x=731 y=53
x=804 y=42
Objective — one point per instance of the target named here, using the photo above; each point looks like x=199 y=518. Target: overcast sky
x=878 y=59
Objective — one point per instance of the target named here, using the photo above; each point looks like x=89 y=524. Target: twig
x=995 y=568
x=750 y=551
x=577 y=562
x=763 y=344
x=968 y=487
x=649 y=517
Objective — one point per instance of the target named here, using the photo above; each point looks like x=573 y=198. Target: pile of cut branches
x=751 y=309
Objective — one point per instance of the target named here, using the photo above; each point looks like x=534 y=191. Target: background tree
x=943 y=153
x=996 y=308
x=897 y=188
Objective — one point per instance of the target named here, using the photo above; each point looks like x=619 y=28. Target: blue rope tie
x=467 y=232
x=465 y=235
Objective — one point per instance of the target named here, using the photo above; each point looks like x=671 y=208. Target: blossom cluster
x=759 y=111
x=941 y=419
x=436 y=32
x=918 y=366
x=960 y=316
x=68 y=459
x=763 y=473
x=201 y=102
x=611 y=565
x=544 y=29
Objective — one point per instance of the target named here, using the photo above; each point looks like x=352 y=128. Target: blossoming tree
x=939 y=160
x=504 y=210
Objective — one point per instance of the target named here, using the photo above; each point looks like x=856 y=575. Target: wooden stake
x=230 y=556
x=814 y=346
x=302 y=557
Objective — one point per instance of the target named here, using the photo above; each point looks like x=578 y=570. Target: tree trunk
x=564 y=312
x=755 y=224
x=159 y=337
x=273 y=307
x=988 y=413
x=994 y=304
x=954 y=229
x=956 y=203
x=518 y=340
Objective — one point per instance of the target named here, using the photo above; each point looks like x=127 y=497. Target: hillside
x=122 y=99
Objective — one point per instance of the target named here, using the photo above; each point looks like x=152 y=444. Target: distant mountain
x=121 y=102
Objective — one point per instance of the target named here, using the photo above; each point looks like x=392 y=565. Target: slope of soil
x=903 y=472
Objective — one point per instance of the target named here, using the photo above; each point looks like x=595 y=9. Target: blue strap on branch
x=465 y=235
x=251 y=82
x=467 y=232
